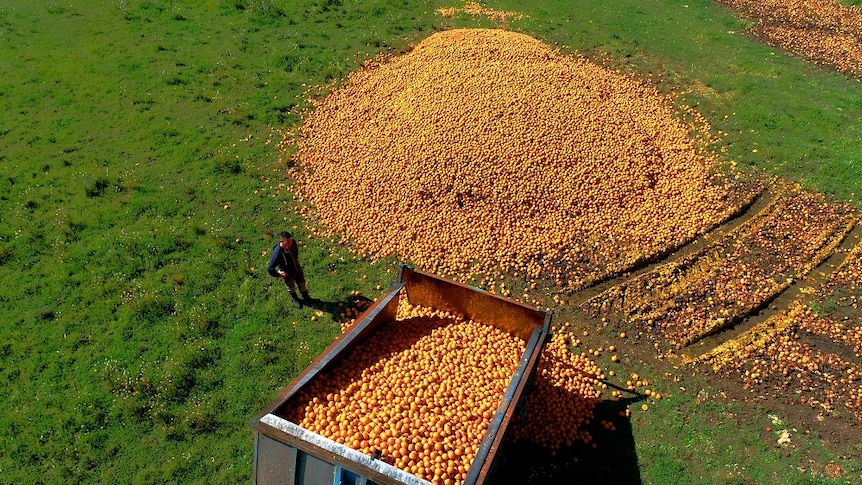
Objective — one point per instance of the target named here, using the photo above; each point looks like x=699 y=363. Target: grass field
x=141 y=189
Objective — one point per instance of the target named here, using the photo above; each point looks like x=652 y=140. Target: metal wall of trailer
x=280 y=464
x=282 y=449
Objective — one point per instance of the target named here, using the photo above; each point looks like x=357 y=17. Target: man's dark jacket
x=287 y=261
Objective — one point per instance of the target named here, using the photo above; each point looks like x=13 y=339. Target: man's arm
x=273 y=262
x=294 y=250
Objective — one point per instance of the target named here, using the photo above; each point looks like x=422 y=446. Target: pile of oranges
x=421 y=392
x=560 y=404
x=825 y=32
x=477 y=10
x=486 y=152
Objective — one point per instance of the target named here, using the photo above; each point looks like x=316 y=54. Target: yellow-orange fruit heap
x=561 y=401
x=422 y=391
x=486 y=151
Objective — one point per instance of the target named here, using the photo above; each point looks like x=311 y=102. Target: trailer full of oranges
x=422 y=390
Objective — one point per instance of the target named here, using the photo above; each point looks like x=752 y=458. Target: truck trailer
x=287 y=453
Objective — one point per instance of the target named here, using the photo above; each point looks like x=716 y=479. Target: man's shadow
x=338 y=309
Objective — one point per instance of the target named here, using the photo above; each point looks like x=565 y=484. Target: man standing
x=284 y=264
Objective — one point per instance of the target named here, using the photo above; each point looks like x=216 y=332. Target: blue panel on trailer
x=311 y=470
x=276 y=462
x=347 y=477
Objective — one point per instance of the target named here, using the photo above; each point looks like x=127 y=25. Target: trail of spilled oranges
x=680 y=302
x=809 y=353
x=486 y=152
x=825 y=32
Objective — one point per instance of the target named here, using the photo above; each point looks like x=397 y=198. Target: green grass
x=713 y=443
x=136 y=341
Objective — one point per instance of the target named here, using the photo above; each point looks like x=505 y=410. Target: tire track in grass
x=806 y=356
x=712 y=289
x=782 y=303
x=761 y=201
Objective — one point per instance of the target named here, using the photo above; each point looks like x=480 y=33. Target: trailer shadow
x=613 y=460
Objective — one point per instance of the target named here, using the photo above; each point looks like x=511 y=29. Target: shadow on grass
x=337 y=308
x=613 y=460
